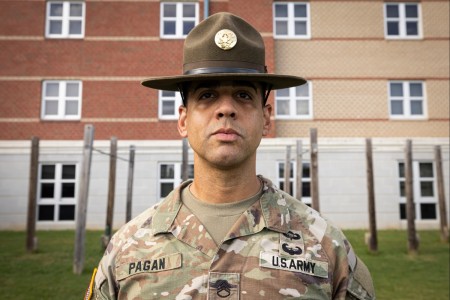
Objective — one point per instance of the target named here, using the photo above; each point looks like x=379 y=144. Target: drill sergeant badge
x=168 y=262
x=291 y=244
x=225 y=39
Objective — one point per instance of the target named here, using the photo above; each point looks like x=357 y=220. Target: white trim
x=65 y=20
x=402 y=21
x=61 y=100
x=290 y=19
x=178 y=19
x=407 y=99
x=293 y=98
x=176 y=98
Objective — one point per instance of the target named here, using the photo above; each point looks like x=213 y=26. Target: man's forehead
x=216 y=84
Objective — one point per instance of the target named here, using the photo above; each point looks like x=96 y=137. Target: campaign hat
x=223 y=47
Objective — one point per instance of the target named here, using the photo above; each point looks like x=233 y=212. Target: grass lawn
x=48 y=274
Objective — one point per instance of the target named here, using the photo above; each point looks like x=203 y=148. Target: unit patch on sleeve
x=294 y=264
x=168 y=262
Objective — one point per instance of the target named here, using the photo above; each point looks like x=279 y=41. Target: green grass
x=47 y=274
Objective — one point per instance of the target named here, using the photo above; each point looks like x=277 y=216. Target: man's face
x=224 y=121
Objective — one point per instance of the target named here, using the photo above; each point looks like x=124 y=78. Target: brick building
x=375 y=69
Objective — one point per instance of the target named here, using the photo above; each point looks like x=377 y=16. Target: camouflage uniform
x=278 y=249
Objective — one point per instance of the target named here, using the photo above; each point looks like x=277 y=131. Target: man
x=228 y=234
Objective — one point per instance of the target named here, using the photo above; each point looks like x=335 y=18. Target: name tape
x=297 y=264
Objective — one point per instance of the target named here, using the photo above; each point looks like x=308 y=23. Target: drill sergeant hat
x=224 y=47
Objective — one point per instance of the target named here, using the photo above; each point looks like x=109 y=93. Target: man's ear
x=267 y=111
x=182 y=128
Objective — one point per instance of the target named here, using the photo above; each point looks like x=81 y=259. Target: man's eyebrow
x=206 y=85
x=244 y=83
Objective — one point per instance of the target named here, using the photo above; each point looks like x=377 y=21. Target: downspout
x=205 y=9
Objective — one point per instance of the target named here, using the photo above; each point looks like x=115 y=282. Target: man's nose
x=226 y=107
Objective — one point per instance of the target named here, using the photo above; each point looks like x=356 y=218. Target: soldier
x=228 y=234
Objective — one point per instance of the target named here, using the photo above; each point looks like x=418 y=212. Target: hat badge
x=225 y=39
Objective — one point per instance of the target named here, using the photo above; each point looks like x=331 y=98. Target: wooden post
x=130 y=183
x=83 y=199
x=314 y=170
x=185 y=161
x=373 y=240
x=32 y=195
x=111 y=191
x=441 y=194
x=413 y=243
x=287 y=171
x=299 y=175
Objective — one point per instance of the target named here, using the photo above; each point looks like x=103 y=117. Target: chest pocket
x=152 y=265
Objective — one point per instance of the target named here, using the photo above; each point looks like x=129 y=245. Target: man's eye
x=244 y=95
x=206 y=95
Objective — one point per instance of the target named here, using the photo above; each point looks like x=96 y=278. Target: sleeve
x=360 y=284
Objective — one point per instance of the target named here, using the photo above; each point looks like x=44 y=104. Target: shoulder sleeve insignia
x=90 y=288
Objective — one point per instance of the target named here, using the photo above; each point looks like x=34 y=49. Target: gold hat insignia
x=225 y=39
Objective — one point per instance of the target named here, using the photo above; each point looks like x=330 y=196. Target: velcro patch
x=168 y=262
x=294 y=264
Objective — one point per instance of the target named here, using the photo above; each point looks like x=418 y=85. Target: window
x=306 y=180
x=61 y=100
x=294 y=102
x=402 y=20
x=291 y=20
x=65 y=19
x=170 y=177
x=407 y=100
x=169 y=102
x=177 y=19
x=423 y=190
x=57 y=192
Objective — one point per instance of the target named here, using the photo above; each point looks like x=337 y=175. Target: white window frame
x=65 y=20
x=61 y=100
x=291 y=19
x=402 y=20
x=280 y=180
x=175 y=181
x=57 y=200
x=178 y=19
x=176 y=98
x=293 y=98
x=418 y=198
x=407 y=99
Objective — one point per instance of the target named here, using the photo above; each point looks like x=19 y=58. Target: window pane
x=282 y=107
x=76 y=9
x=393 y=28
x=306 y=189
x=302 y=107
x=281 y=10
x=74 y=27
x=301 y=91
x=167 y=171
x=412 y=28
x=281 y=28
x=52 y=89
x=68 y=190
x=187 y=26
x=166 y=188
x=397 y=107
x=392 y=11
x=426 y=170
x=48 y=172
x=401 y=170
x=68 y=172
x=402 y=189
x=66 y=212
x=428 y=211
x=47 y=190
x=426 y=189
x=281 y=170
x=188 y=11
x=396 y=89
x=402 y=211
x=415 y=89
x=46 y=212
x=51 y=108
x=55 y=27
x=306 y=171
x=169 y=27
x=283 y=93
x=56 y=9
x=72 y=89
x=170 y=10
x=168 y=94
x=300 y=11
x=300 y=28
x=168 y=108
x=416 y=108
x=411 y=11
x=71 y=108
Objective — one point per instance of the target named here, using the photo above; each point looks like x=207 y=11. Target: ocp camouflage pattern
x=278 y=249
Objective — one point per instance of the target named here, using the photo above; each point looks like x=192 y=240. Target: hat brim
x=172 y=83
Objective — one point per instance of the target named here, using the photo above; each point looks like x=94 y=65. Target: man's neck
x=224 y=186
